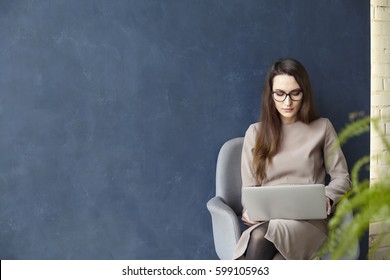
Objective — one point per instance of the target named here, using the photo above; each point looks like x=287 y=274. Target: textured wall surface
x=112 y=113
x=380 y=108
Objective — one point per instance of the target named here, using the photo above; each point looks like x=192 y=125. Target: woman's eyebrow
x=290 y=90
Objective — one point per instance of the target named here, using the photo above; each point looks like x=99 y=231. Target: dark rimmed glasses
x=280 y=95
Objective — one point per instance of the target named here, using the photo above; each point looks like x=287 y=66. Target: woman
x=290 y=145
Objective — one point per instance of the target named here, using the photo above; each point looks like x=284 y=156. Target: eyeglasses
x=280 y=95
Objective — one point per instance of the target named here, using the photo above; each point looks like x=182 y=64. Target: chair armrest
x=226 y=227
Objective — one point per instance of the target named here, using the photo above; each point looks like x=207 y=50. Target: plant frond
x=354 y=129
x=356 y=169
x=368 y=201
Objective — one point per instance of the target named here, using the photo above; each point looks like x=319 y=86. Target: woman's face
x=288 y=108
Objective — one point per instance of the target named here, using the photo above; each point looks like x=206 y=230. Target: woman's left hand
x=328 y=206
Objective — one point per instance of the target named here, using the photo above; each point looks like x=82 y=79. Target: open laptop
x=297 y=202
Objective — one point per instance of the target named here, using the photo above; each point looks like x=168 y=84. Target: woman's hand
x=246 y=220
x=328 y=206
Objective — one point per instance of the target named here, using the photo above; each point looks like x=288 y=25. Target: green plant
x=369 y=201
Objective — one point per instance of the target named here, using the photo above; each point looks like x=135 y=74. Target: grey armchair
x=225 y=208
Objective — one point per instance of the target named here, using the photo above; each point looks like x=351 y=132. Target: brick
x=374 y=161
x=387 y=70
x=386 y=56
x=375 y=55
x=375 y=112
x=376 y=145
x=378 y=70
x=375 y=134
x=376 y=84
x=380 y=172
x=380 y=42
x=382 y=13
x=381 y=127
x=385 y=114
x=380 y=100
x=376 y=28
x=379 y=3
x=376 y=41
x=380 y=227
x=385 y=27
x=386 y=42
x=379 y=55
x=382 y=159
x=382 y=253
x=379 y=240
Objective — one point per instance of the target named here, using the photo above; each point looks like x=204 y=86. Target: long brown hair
x=268 y=137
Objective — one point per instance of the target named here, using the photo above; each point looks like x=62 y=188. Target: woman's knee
x=258 y=234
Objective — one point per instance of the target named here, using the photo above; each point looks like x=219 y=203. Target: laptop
x=296 y=202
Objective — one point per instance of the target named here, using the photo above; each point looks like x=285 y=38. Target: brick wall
x=380 y=106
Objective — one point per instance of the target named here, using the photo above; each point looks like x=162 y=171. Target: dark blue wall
x=112 y=113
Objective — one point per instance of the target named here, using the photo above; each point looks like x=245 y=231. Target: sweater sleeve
x=336 y=166
x=247 y=174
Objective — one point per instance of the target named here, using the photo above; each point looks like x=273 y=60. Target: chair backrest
x=228 y=173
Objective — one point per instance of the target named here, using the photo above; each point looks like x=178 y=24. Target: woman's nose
x=288 y=100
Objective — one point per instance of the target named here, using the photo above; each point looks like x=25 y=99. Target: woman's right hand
x=246 y=220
